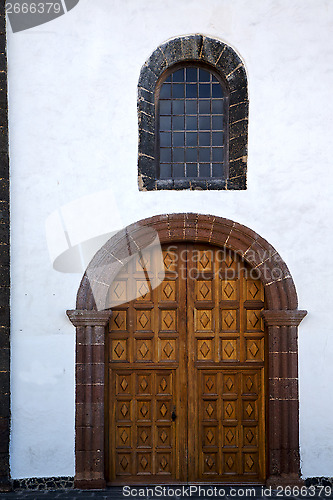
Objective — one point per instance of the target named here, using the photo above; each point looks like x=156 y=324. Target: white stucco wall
x=73 y=132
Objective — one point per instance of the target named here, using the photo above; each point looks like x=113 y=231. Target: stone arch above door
x=282 y=318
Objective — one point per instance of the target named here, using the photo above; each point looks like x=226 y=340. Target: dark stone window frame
x=225 y=87
x=225 y=62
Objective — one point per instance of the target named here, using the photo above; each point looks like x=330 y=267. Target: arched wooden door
x=186 y=370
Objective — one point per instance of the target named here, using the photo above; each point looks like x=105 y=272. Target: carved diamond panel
x=144 y=437
x=164 y=384
x=229 y=320
x=250 y=461
x=229 y=410
x=230 y=436
x=211 y=436
x=254 y=290
x=164 y=437
x=169 y=259
x=123 y=437
x=163 y=410
x=143 y=292
x=143 y=385
x=210 y=463
x=230 y=463
x=167 y=350
x=118 y=321
x=229 y=290
x=204 y=259
x=254 y=321
x=143 y=410
x=123 y=464
x=250 y=410
x=250 y=436
x=210 y=410
x=164 y=463
x=144 y=351
x=168 y=290
x=209 y=384
x=143 y=262
x=118 y=292
x=205 y=350
x=143 y=320
x=255 y=349
x=203 y=320
x=168 y=320
x=250 y=383
x=123 y=410
x=229 y=383
x=118 y=350
x=229 y=350
x=203 y=290
x=144 y=463
x=124 y=383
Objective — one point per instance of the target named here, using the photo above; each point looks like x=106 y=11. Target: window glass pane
x=191 y=74
x=165 y=91
x=178 y=123
x=165 y=171
x=178 y=107
x=178 y=139
x=191 y=154
x=217 y=122
x=178 y=170
x=178 y=154
x=191 y=170
x=217 y=138
x=191 y=138
x=204 y=76
x=165 y=107
x=165 y=123
x=204 y=139
x=217 y=170
x=191 y=90
x=191 y=107
x=218 y=154
x=204 y=122
x=178 y=90
x=191 y=123
x=165 y=155
x=204 y=170
x=217 y=90
x=178 y=76
x=204 y=154
x=204 y=90
x=217 y=106
x=165 y=139
x=204 y=107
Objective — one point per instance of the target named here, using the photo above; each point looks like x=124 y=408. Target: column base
x=5 y=485
x=90 y=484
x=285 y=480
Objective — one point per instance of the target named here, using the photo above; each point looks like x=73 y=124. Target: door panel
x=186 y=380
x=226 y=362
x=147 y=372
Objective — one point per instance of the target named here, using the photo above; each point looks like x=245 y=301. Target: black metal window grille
x=192 y=125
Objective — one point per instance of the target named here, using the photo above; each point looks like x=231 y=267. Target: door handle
x=173 y=414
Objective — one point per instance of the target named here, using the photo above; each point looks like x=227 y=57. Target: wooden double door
x=186 y=369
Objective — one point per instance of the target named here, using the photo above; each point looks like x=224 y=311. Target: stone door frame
x=282 y=318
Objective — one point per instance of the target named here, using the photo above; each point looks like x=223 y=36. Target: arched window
x=193 y=117
x=192 y=124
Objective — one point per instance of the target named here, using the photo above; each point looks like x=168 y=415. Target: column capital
x=85 y=317
x=283 y=317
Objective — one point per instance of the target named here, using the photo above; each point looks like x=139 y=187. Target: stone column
x=89 y=397
x=283 y=404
